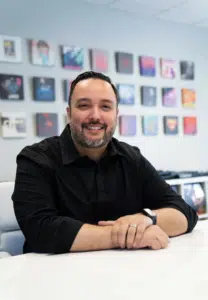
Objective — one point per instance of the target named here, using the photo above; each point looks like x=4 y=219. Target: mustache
x=94 y=123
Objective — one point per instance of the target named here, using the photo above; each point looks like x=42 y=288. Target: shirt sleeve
x=36 y=210
x=159 y=194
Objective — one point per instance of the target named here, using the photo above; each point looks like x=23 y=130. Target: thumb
x=106 y=223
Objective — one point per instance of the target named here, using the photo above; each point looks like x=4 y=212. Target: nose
x=95 y=113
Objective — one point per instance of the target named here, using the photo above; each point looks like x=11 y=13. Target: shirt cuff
x=66 y=233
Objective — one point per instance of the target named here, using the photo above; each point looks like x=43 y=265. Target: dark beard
x=80 y=139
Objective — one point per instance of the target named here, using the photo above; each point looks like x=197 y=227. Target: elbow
x=39 y=239
x=192 y=219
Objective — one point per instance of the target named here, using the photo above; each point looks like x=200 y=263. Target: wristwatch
x=149 y=213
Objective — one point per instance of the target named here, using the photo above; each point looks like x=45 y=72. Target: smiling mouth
x=94 y=127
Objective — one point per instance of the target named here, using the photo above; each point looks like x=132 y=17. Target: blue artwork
x=72 y=57
x=11 y=87
x=150 y=125
x=44 y=89
x=126 y=93
x=169 y=97
x=149 y=95
x=147 y=66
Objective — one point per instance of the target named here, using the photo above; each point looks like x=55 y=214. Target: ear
x=68 y=111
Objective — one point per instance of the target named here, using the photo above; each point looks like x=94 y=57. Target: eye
x=106 y=107
x=82 y=106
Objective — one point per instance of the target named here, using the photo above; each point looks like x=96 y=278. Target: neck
x=93 y=153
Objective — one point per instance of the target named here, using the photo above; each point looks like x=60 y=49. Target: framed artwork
x=10 y=49
x=148 y=95
x=150 y=125
x=67 y=87
x=126 y=94
x=124 y=63
x=11 y=87
x=46 y=124
x=127 y=125
x=190 y=125
x=168 y=68
x=188 y=98
x=170 y=125
x=42 y=53
x=169 y=97
x=187 y=70
x=44 y=89
x=13 y=125
x=194 y=196
x=72 y=57
x=99 y=60
x=147 y=66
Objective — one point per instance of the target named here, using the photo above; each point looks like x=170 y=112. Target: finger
x=122 y=233
x=106 y=223
x=143 y=244
x=131 y=236
x=164 y=240
x=155 y=244
x=139 y=234
x=114 y=234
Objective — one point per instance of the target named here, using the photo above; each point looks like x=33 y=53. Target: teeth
x=94 y=128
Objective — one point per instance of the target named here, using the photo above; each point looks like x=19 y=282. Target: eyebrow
x=88 y=100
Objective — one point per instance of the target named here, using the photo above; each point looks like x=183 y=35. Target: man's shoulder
x=129 y=151
x=44 y=153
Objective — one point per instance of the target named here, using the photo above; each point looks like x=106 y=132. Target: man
x=85 y=190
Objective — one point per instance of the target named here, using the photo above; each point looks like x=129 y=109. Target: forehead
x=93 y=88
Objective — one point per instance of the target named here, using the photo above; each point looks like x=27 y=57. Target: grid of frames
x=169 y=84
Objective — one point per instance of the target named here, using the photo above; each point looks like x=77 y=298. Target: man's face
x=93 y=113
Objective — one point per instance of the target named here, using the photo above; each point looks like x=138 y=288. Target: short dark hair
x=88 y=75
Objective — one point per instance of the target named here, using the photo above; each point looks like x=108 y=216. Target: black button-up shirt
x=57 y=191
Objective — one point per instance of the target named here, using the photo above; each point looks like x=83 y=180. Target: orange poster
x=188 y=98
x=190 y=125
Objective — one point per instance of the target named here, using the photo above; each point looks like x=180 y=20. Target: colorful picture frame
x=10 y=49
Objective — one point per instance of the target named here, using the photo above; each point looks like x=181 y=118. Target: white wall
x=93 y=26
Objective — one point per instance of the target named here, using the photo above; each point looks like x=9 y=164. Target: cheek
x=111 y=120
x=78 y=117
x=76 y=120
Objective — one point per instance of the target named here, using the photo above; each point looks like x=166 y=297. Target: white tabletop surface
x=178 y=272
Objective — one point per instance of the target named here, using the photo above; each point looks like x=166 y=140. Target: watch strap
x=152 y=216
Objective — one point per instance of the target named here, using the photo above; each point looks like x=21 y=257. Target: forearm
x=91 y=238
x=172 y=221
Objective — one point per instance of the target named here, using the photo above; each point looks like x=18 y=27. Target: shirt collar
x=70 y=153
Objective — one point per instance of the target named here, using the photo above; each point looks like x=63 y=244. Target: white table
x=178 y=272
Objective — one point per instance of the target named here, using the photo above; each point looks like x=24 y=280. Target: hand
x=124 y=234
x=154 y=237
